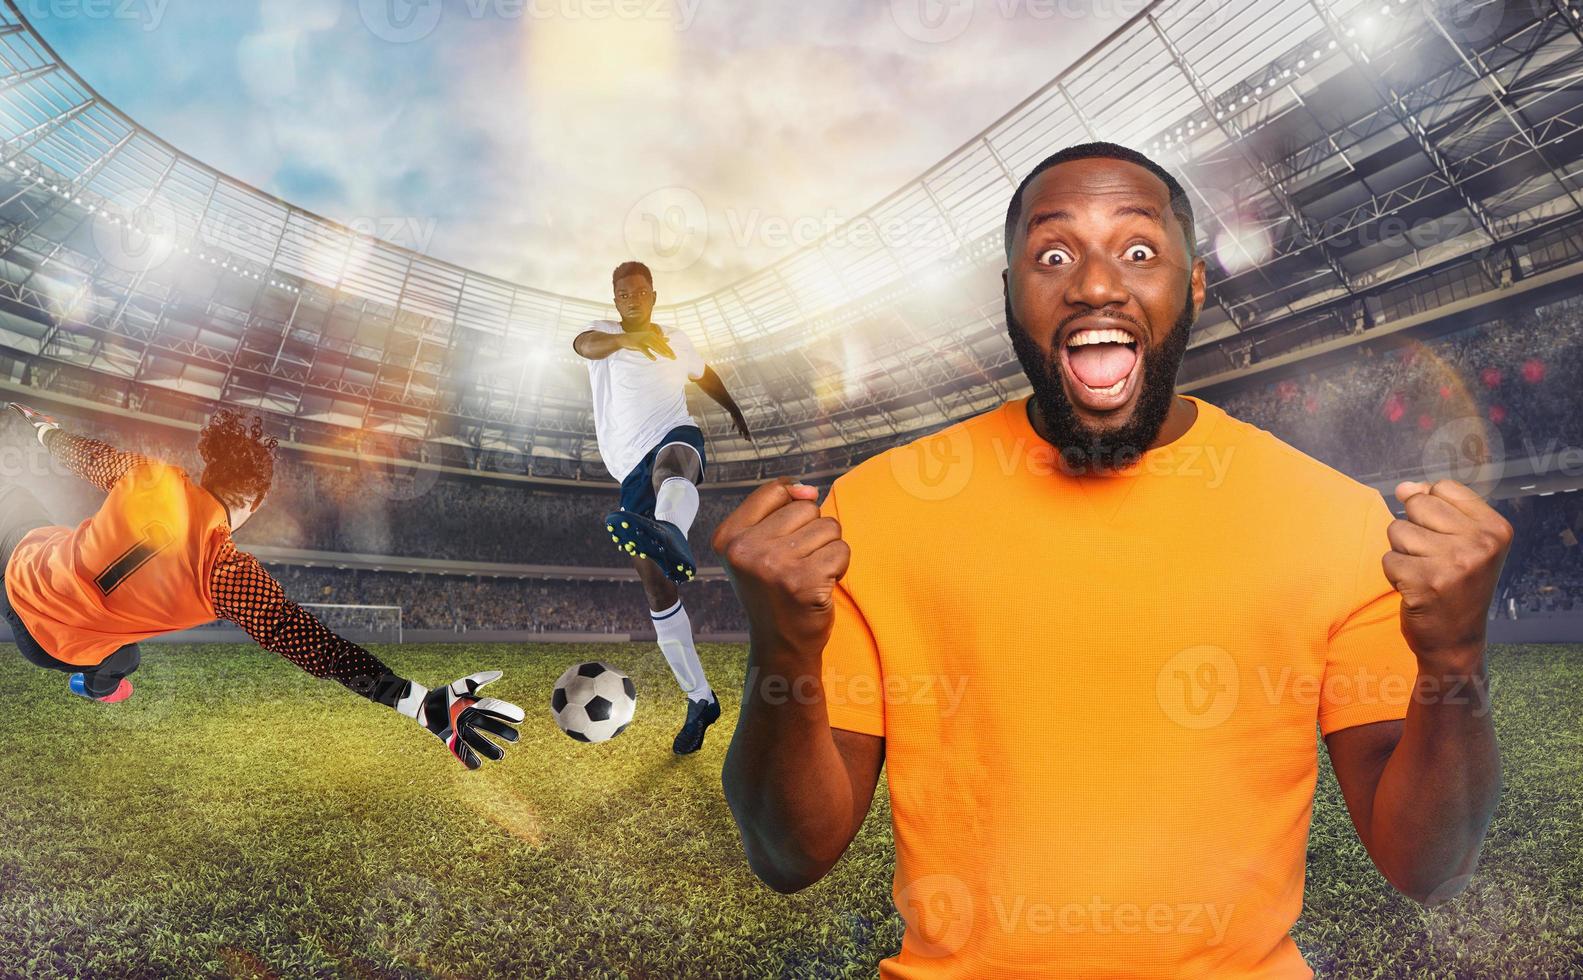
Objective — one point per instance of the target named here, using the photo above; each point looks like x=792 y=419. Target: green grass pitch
x=238 y=818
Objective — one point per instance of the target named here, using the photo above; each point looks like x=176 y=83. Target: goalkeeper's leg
x=20 y=512
x=107 y=682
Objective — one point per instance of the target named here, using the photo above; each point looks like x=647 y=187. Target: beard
x=1081 y=447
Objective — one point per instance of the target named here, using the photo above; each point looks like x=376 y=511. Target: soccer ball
x=593 y=702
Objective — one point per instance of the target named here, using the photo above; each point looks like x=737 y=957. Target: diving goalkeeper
x=158 y=557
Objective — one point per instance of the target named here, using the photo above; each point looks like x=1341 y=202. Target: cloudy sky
x=545 y=140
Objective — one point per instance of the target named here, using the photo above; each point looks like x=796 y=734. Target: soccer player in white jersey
x=649 y=441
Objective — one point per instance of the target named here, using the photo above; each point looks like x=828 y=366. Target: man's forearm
x=712 y=386
x=785 y=780
x=1439 y=788
x=595 y=345
x=97 y=462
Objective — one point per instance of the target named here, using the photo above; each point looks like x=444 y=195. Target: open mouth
x=1101 y=365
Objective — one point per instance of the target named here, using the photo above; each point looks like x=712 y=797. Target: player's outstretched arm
x=597 y=344
x=712 y=386
x=248 y=596
x=1421 y=791
x=799 y=790
x=99 y=463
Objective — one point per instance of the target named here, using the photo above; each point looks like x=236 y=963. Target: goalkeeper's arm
x=97 y=462
x=249 y=596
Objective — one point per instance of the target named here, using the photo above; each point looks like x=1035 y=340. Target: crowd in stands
x=465 y=603
x=1544 y=569
x=1512 y=384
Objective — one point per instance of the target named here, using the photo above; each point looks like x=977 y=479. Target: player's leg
x=108 y=682
x=648 y=526
x=673 y=631
x=677 y=470
x=20 y=512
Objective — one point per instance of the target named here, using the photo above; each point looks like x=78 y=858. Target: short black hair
x=238 y=459
x=1180 y=205
x=631 y=268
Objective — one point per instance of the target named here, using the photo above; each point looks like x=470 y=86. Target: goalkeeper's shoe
x=79 y=686
x=41 y=423
x=661 y=541
x=700 y=715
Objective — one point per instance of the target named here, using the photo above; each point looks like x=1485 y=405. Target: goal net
x=363 y=624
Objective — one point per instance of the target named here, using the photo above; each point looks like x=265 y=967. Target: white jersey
x=636 y=400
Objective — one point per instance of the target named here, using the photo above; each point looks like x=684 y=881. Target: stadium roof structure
x=1348 y=162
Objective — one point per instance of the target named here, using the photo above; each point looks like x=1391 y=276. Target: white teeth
x=1113 y=389
x=1085 y=337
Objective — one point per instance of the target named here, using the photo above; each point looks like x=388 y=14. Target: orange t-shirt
x=1099 y=693
x=138 y=567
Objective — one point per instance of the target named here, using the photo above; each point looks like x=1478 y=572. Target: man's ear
x=1196 y=286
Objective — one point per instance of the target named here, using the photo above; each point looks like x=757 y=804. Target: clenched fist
x=1445 y=559
x=784 y=560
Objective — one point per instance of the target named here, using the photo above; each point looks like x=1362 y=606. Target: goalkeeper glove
x=459 y=718
x=38 y=420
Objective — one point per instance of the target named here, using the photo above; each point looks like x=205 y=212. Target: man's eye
x=1054 y=256
x=1140 y=253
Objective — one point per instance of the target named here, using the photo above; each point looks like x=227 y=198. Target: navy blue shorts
x=637 y=490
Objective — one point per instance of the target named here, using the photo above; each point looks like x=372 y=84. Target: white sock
x=677 y=502
x=674 y=633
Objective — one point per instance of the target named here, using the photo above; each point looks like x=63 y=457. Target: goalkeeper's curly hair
x=238 y=459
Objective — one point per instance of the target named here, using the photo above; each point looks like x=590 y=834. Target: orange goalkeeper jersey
x=158 y=557
x=138 y=567
x=1100 y=694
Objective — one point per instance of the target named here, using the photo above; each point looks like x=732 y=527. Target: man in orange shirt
x=158 y=557
x=1090 y=634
